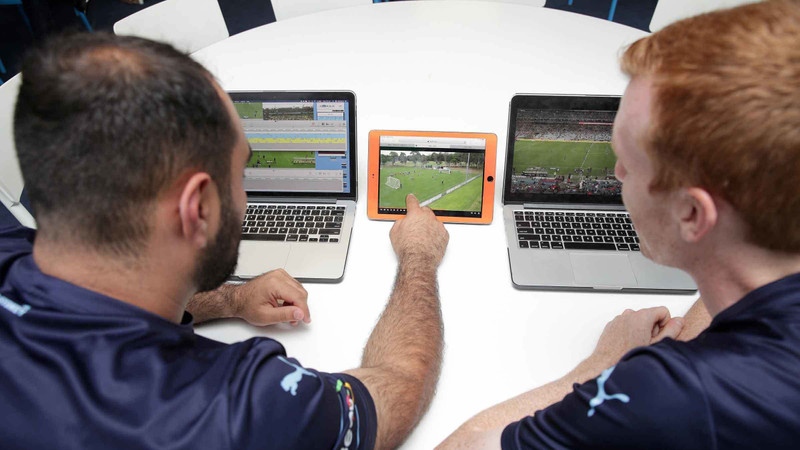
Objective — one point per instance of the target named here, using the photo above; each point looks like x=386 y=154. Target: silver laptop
x=300 y=183
x=565 y=223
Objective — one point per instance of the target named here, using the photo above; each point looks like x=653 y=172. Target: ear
x=697 y=214
x=195 y=208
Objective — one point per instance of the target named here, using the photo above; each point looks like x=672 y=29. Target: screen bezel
x=348 y=96
x=558 y=102
x=489 y=165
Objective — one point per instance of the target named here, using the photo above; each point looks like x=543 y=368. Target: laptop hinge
x=573 y=206
x=253 y=198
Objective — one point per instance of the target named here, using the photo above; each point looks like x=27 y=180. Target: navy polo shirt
x=82 y=370
x=737 y=385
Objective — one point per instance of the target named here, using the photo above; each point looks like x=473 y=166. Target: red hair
x=726 y=112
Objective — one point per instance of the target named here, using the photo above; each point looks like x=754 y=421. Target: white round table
x=439 y=66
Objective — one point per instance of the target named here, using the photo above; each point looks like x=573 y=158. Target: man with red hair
x=708 y=144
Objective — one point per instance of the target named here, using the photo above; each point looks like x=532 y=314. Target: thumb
x=280 y=314
x=671 y=330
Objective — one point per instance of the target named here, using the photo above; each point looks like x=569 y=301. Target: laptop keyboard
x=575 y=230
x=293 y=223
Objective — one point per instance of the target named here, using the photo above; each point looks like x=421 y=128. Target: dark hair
x=104 y=124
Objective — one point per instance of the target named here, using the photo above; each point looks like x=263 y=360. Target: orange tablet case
x=373 y=175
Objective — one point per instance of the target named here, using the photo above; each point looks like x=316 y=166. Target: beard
x=218 y=260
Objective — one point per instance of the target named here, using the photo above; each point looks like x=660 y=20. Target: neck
x=147 y=282
x=728 y=277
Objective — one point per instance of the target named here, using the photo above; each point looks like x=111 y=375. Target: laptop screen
x=303 y=143
x=559 y=150
x=444 y=173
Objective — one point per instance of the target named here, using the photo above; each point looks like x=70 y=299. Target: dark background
x=49 y=16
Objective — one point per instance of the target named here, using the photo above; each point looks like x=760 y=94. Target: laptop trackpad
x=256 y=257
x=602 y=270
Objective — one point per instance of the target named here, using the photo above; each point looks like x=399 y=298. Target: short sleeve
x=651 y=399
x=275 y=402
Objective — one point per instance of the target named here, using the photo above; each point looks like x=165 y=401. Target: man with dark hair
x=133 y=159
x=708 y=144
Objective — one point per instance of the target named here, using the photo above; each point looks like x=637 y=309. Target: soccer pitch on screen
x=563 y=157
x=282 y=160
x=446 y=184
x=249 y=110
x=572 y=167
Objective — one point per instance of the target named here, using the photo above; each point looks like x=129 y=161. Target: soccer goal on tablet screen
x=452 y=173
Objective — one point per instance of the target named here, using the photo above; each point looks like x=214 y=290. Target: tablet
x=452 y=173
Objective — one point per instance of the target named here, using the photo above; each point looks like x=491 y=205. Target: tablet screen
x=444 y=173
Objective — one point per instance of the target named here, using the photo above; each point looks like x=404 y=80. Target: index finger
x=411 y=203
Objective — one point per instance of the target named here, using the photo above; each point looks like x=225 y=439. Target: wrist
x=232 y=299
x=418 y=260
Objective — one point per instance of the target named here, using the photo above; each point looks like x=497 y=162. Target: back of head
x=726 y=112
x=104 y=125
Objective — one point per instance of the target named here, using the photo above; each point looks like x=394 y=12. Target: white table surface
x=440 y=66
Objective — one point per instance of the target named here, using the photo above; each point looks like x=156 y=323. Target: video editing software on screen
x=298 y=146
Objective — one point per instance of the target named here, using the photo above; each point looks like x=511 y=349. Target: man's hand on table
x=625 y=332
x=633 y=329
x=270 y=298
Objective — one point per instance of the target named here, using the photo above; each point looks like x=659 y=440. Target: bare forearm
x=217 y=304
x=491 y=422
x=402 y=358
x=627 y=331
x=529 y=402
x=410 y=328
